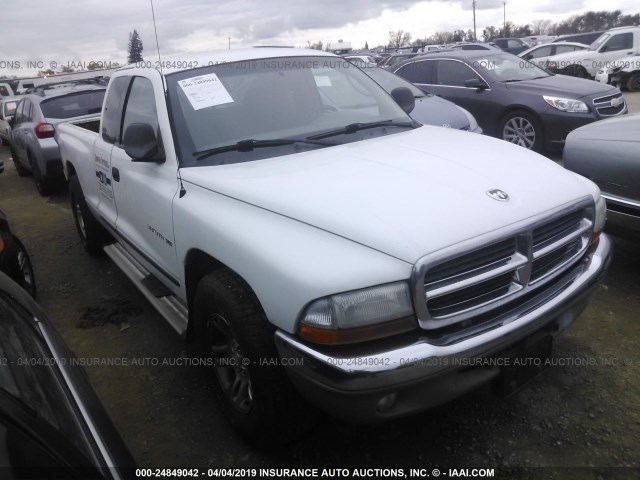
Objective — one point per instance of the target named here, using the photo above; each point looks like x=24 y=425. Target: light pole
x=475 y=36
x=504 y=18
x=229 y=42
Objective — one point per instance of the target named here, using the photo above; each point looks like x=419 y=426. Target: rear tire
x=43 y=184
x=92 y=234
x=25 y=276
x=21 y=171
x=252 y=388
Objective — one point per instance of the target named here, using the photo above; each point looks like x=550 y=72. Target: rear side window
x=112 y=113
x=541 y=52
x=417 y=72
x=453 y=73
x=73 y=104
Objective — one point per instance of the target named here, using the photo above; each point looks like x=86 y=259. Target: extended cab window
x=112 y=112
x=141 y=105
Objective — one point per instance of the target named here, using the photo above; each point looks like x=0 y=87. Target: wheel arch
x=197 y=265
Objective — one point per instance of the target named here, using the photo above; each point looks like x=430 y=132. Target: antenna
x=155 y=29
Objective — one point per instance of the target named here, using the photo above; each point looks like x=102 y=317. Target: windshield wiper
x=355 y=127
x=512 y=80
x=250 y=144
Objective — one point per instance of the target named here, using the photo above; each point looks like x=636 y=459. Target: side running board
x=170 y=307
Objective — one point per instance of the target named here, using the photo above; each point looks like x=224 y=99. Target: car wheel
x=92 y=234
x=25 y=276
x=522 y=128
x=22 y=172
x=251 y=387
x=633 y=82
x=42 y=183
x=576 y=71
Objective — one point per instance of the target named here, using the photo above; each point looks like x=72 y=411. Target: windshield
x=273 y=99
x=507 y=68
x=389 y=81
x=599 y=41
x=73 y=105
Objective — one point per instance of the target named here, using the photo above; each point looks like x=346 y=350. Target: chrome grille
x=605 y=105
x=456 y=287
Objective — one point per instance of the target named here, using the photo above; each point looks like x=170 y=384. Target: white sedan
x=540 y=54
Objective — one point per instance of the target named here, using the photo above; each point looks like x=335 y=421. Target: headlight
x=600 y=218
x=359 y=315
x=472 y=120
x=566 y=104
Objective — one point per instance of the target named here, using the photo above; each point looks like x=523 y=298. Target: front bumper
x=414 y=374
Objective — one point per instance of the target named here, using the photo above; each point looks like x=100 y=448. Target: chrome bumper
x=417 y=375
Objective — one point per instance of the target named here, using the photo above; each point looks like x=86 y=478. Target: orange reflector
x=355 y=335
x=595 y=235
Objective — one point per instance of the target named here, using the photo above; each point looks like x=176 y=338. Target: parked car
x=474 y=46
x=7 y=110
x=390 y=62
x=517 y=102
x=33 y=146
x=584 y=38
x=540 y=54
x=429 y=109
x=5 y=90
x=608 y=153
x=281 y=210
x=53 y=424
x=607 y=48
x=623 y=72
x=362 y=61
x=511 y=45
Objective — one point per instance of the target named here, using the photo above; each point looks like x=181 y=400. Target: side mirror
x=528 y=56
x=476 y=83
x=141 y=144
x=404 y=98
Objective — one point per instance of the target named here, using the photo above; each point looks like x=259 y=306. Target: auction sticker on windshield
x=205 y=91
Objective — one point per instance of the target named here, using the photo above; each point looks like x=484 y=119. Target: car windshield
x=507 y=68
x=389 y=81
x=284 y=100
x=74 y=104
x=599 y=41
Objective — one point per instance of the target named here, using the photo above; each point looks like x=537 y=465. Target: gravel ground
x=579 y=419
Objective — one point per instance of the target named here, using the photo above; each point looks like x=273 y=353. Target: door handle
x=115 y=174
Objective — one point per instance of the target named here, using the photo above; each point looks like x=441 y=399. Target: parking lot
x=583 y=412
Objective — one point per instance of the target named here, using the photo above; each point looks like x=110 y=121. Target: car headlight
x=473 y=124
x=359 y=316
x=600 y=218
x=566 y=104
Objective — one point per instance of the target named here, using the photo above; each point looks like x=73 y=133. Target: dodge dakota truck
x=285 y=214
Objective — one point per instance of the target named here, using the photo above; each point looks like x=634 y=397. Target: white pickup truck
x=281 y=210
x=607 y=48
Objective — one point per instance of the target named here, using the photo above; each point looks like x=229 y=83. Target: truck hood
x=406 y=194
x=562 y=86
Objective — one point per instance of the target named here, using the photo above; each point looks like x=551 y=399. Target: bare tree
x=540 y=26
x=399 y=39
x=315 y=46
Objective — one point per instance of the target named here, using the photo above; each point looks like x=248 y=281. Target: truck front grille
x=455 y=288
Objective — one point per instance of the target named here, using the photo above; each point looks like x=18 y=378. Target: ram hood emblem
x=498 y=194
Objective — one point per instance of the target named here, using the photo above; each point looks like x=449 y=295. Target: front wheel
x=252 y=389
x=522 y=128
x=633 y=82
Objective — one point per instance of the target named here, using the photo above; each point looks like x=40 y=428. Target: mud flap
x=522 y=363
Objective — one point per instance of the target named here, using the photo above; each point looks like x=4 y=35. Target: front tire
x=523 y=129
x=633 y=82
x=252 y=389
x=92 y=234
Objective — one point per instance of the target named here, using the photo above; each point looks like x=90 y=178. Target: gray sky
x=48 y=33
